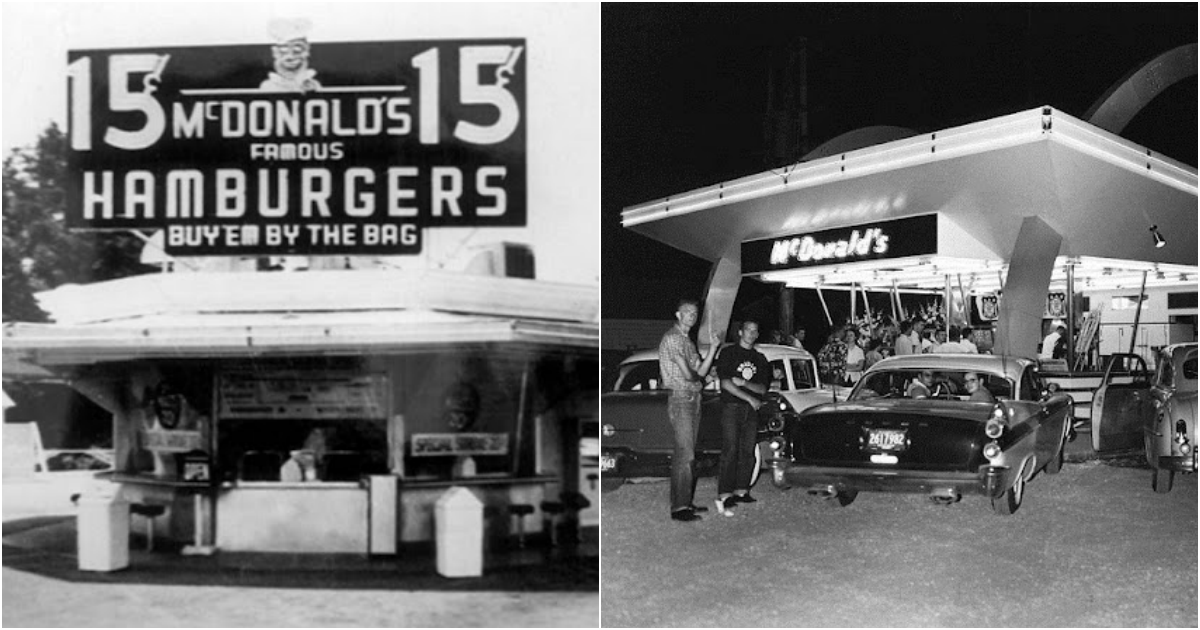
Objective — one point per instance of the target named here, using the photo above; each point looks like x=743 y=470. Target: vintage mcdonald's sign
x=298 y=147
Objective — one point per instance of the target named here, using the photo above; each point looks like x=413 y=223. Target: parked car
x=1156 y=411
x=636 y=438
x=945 y=445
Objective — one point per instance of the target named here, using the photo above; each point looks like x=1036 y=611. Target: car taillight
x=995 y=425
x=991 y=450
x=1181 y=437
x=608 y=430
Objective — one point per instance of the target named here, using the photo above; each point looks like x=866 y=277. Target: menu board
x=303 y=395
x=432 y=444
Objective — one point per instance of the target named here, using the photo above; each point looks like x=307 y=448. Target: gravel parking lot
x=1092 y=546
x=31 y=600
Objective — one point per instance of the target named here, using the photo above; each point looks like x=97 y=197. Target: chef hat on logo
x=284 y=30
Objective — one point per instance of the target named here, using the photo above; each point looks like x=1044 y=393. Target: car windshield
x=932 y=384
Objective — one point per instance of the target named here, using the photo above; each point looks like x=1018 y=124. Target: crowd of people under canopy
x=857 y=344
x=854 y=346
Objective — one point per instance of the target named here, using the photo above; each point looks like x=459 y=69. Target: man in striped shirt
x=683 y=373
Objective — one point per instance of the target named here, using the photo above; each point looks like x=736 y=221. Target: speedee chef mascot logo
x=747 y=370
x=298 y=147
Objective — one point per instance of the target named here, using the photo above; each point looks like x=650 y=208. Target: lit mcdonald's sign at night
x=913 y=236
x=806 y=248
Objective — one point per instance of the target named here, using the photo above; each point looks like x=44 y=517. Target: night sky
x=684 y=91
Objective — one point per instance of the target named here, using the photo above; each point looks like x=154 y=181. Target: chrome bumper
x=989 y=481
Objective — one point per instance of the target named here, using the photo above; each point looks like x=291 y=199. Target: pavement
x=538 y=585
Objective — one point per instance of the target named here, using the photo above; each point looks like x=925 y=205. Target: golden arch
x=1128 y=96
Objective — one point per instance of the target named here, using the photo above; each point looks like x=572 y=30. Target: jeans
x=739 y=427
x=683 y=409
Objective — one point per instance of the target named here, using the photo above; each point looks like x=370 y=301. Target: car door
x=1051 y=411
x=1122 y=406
x=635 y=413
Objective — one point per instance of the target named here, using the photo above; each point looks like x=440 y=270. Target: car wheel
x=1162 y=480
x=844 y=498
x=1010 y=500
x=608 y=484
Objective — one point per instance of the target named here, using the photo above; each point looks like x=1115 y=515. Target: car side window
x=1028 y=386
x=642 y=376
x=1189 y=368
x=1166 y=371
x=779 y=379
x=1141 y=374
x=803 y=374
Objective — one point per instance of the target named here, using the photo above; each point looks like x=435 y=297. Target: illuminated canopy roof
x=1101 y=192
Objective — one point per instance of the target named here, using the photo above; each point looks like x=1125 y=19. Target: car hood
x=802 y=399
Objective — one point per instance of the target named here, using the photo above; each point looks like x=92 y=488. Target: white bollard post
x=458 y=520
x=102 y=533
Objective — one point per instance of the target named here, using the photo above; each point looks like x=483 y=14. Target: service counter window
x=166 y=420
x=478 y=414
x=297 y=426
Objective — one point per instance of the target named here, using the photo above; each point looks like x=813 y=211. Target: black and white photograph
x=899 y=315
x=600 y=314
x=301 y=314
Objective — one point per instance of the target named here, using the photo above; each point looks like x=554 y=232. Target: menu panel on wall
x=302 y=395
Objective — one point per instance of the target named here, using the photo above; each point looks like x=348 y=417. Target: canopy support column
x=825 y=307
x=1070 y=313
x=720 y=293
x=1137 y=316
x=1019 y=328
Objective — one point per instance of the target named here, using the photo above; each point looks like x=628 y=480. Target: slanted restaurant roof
x=1100 y=191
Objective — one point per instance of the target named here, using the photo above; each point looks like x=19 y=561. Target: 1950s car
x=1136 y=409
x=636 y=439
x=944 y=443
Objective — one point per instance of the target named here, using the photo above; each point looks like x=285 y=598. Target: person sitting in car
x=919 y=387
x=976 y=388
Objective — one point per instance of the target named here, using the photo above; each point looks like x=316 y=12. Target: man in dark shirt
x=745 y=376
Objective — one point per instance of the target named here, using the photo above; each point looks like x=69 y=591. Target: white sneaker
x=722 y=508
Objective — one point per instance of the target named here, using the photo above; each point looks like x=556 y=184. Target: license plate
x=887 y=439
x=607 y=463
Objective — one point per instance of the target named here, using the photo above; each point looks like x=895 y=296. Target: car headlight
x=995 y=424
x=1181 y=437
x=773 y=417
